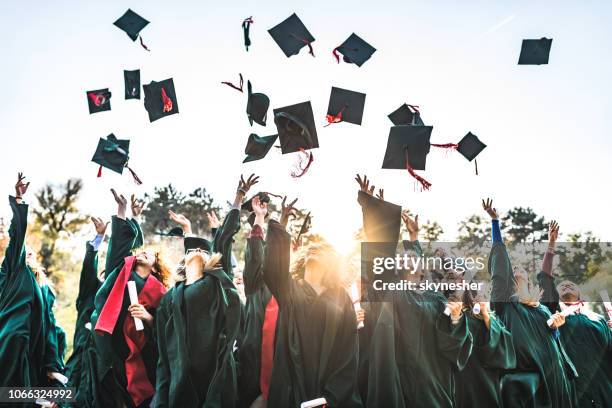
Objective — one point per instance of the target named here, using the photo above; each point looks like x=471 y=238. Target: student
x=198 y=322
x=81 y=365
x=127 y=358
x=316 y=349
x=585 y=335
x=415 y=349
x=543 y=371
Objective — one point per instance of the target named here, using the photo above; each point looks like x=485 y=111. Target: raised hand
x=260 y=209
x=245 y=186
x=121 y=204
x=487 y=205
x=364 y=184
x=181 y=220
x=287 y=210
x=21 y=188
x=381 y=194
x=99 y=225
x=137 y=206
x=553 y=232
x=213 y=221
x=412 y=225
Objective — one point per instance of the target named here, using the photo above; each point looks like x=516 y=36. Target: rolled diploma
x=356 y=302
x=476 y=308
x=607 y=303
x=570 y=310
x=319 y=402
x=134 y=300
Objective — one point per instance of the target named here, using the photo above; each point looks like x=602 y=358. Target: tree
x=473 y=232
x=432 y=231
x=524 y=225
x=57 y=213
x=582 y=257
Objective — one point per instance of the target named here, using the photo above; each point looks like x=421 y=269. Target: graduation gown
x=55 y=340
x=478 y=384
x=588 y=344
x=223 y=239
x=197 y=326
x=81 y=365
x=316 y=349
x=543 y=373
x=112 y=349
x=23 y=313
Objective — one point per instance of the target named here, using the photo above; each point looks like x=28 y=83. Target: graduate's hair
x=37 y=269
x=160 y=270
x=326 y=255
x=180 y=274
x=527 y=293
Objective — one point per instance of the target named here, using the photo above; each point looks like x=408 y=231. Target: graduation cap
x=470 y=147
x=297 y=133
x=246 y=27
x=345 y=106
x=173 y=232
x=132 y=84
x=291 y=35
x=197 y=243
x=257 y=106
x=98 y=100
x=258 y=147
x=406 y=115
x=264 y=197
x=354 y=50
x=382 y=223
x=407 y=148
x=114 y=154
x=535 y=52
x=160 y=99
x=132 y=24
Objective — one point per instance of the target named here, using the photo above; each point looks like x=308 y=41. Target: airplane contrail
x=501 y=24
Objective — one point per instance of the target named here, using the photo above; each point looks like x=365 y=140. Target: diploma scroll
x=315 y=403
x=134 y=301
x=570 y=310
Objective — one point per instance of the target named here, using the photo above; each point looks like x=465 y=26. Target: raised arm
x=546 y=280
x=123 y=236
x=88 y=281
x=276 y=262
x=254 y=257
x=14 y=260
x=499 y=264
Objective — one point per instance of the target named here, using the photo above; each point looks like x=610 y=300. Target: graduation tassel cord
x=137 y=179
x=476 y=166
x=234 y=86
x=337 y=118
x=299 y=171
x=99 y=171
x=305 y=41
x=246 y=26
x=143 y=44
x=452 y=146
x=167 y=101
x=336 y=55
x=425 y=185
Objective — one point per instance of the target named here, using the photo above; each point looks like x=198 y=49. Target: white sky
x=547 y=127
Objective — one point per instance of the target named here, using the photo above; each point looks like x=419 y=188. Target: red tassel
x=100 y=171
x=167 y=101
x=234 y=86
x=476 y=166
x=137 y=179
x=337 y=118
x=143 y=44
x=425 y=185
x=336 y=55
x=305 y=41
x=445 y=145
x=299 y=169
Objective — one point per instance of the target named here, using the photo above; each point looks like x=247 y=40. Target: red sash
x=268 y=331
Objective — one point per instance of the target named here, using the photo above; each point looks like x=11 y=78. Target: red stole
x=268 y=332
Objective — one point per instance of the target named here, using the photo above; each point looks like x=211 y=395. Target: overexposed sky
x=548 y=128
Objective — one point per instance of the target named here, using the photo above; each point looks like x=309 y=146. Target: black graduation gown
x=588 y=344
x=224 y=238
x=543 y=373
x=478 y=384
x=23 y=330
x=316 y=350
x=197 y=326
x=81 y=365
x=112 y=350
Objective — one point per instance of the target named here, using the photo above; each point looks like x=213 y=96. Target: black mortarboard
x=132 y=84
x=535 y=52
x=355 y=50
x=406 y=115
x=291 y=35
x=98 y=100
x=112 y=153
x=257 y=106
x=197 y=243
x=381 y=219
x=131 y=23
x=173 y=232
x=258 y=146
x=160 y=99
x=248 y=204
x=345 y=106
x=470 y=146
x=410 y=140
x=296 y=127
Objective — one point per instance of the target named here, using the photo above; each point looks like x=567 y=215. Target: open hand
x=213 y=221
x=287 y=210
x=121 y=204
x=21 y=188
x=412 y=225
x=181 y=220
x=364 y=184
x=99 y=225
x=553 y=232
x=260 y=209
x=245 y=186
x=487 y=205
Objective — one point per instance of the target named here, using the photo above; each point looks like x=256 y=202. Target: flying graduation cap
x=407 y=149
x=98 y=100
x=345 y=106
x=535 y=52
x=297 y=133
x=132 y=24
x=406 y=115
x=114 y=154
x=258 y=147
x=291 y=35
x=160 y=99
x=132 y=84
x=354 y=50
x=257 y=106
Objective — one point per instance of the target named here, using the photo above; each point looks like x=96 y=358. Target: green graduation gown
x=197 y=326
x=316 y=349
x=478 y=384
x=224 y=238
x=588 y=344
x=544 y=373
x=55 y=340
x=23 y=330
